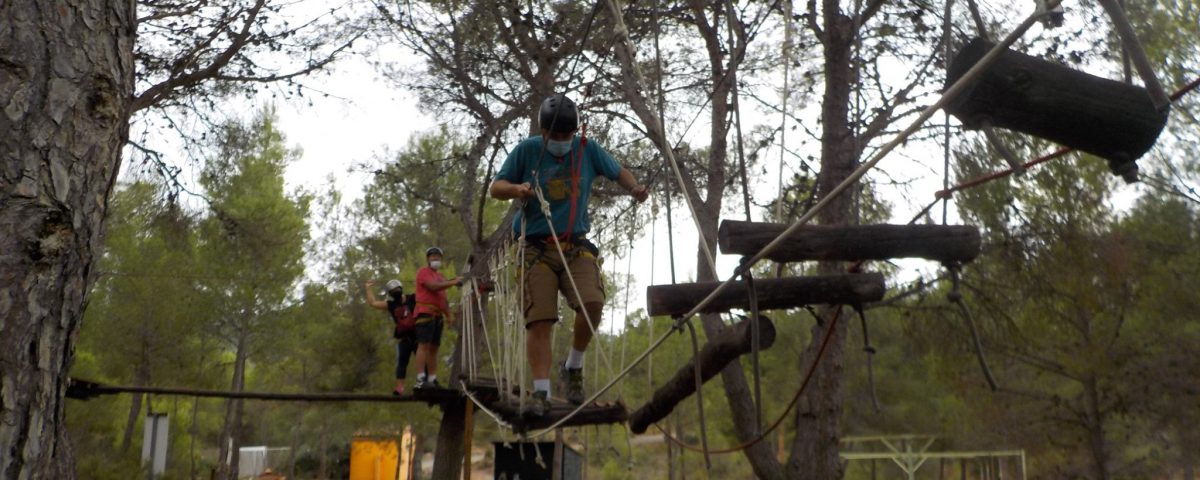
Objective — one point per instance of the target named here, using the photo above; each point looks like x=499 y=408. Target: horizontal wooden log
x=599 y=413
x=944 y=243
x=773 y=293
x=1104 y=117
x=712 y=358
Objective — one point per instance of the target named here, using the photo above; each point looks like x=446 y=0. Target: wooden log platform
x=1104 y=117
x=773 y=293
x=712 y=358
x=944 y=243
x=598 y=413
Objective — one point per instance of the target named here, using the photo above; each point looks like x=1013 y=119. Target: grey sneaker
x=538 y=406
x=420 y=384
x=573 y=378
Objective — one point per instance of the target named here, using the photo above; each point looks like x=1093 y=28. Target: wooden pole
x=944 y=243
x=468 y=438
x=773 y=293
x=557 y=464
x=713 y=357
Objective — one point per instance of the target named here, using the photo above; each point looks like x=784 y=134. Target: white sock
x=542 y=385
x=432 y=378
x=420 y=377
x=575 y=359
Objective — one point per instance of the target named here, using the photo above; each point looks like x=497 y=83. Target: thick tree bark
x=66 y=79
x=815 y=450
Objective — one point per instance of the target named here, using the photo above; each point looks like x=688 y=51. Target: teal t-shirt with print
x=554 y=176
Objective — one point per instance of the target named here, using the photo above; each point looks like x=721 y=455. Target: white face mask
x=436 y=264
x=558 y=148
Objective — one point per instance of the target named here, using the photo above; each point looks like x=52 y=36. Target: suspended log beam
x=85 y=390
x=713 y=357
x=1107 y=118
x=944 y=243
x=598 y=413
x=773 y=293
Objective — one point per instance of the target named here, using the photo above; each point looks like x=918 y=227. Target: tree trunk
x=66 y=80
x=227 y=466
x=1095 y=426
x=733 y=377
x=815 y=450
x=447 y=462
x=323 y=445
x=141 y=378
x=135 y=407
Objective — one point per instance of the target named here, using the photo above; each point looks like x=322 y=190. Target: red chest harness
x=576 y=173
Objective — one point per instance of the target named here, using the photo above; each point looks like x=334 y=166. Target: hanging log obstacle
x=773 y=293
x=713 y=357
x=944 y=243
x=1107 y=118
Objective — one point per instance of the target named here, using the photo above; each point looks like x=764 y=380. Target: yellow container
x=373 y=458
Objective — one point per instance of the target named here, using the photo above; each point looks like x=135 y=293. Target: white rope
x=622 y=31
x=854 y=176
x=567 y=268
x=499 y=421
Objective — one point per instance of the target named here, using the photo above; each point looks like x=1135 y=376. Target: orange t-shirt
x=430 y=302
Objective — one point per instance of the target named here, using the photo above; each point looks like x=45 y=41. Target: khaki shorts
x=545 y=277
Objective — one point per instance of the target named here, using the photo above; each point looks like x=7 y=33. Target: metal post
x=150 y=416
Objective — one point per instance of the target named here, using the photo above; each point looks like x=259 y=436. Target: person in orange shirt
x=432 y=312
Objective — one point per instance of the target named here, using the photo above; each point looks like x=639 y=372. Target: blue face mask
x=558 y=148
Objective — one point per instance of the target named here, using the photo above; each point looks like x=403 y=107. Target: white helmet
x=393 y=284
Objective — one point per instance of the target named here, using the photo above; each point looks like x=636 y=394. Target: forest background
x=217 y=273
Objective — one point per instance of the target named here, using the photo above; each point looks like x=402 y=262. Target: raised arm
x=371 y=301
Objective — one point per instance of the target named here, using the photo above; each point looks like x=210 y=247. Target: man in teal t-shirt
x=563 y=166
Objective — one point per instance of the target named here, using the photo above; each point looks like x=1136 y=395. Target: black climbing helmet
x=433 y=250
x=558 y=114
